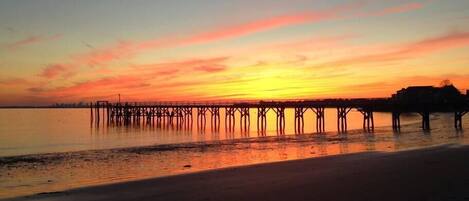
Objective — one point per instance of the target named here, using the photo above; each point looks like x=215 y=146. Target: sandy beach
x=436 y=173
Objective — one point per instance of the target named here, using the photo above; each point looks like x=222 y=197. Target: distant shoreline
x=42 y=107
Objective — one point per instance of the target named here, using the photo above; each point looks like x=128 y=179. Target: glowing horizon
x=72 y=51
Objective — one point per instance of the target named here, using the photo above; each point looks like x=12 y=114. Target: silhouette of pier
x=423 y=100
x=180 y=114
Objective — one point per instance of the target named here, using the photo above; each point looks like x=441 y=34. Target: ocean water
x=47 y=150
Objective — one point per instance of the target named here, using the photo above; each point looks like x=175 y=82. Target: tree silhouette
x=445 y=82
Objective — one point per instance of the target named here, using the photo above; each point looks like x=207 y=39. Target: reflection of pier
x=179 y=115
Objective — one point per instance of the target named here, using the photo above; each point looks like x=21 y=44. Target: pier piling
x=262 y=119
x=368 y=120
x=425 y=120
x=342 y=119
x=458 y=119
x=320 y=119
x=396 y=121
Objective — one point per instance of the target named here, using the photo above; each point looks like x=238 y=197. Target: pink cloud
x=398 y=9
x=126 y=49
x=451 y=40
x=122 y=49
x=261 y=25
x=184 y=66
x=408 y=50
x=52 y=71
x=138 y=77
x=131 y=86
x=32 y=40
x=316 y=43
x=85 y=87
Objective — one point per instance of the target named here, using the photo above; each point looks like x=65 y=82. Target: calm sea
x=46 y=150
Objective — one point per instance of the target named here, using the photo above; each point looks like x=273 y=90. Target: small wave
x=42 y=159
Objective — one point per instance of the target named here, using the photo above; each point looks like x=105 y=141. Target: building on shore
x=429 y=94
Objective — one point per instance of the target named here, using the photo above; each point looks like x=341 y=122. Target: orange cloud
x=211 y=69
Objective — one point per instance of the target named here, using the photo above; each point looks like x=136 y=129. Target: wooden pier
x=180 y=114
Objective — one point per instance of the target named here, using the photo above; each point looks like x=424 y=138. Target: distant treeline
x=55 y=105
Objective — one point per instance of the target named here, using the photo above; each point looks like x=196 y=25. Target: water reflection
x=229 y=124
x=151 y=148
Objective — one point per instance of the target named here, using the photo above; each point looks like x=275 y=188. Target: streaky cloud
x=405 y=51
x=128 y=49
x=31 y=40
x=398 y=9
x=54 y=70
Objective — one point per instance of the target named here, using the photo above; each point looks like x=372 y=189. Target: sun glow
x=312 y=52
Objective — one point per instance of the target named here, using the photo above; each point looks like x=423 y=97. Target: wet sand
x=436 y=173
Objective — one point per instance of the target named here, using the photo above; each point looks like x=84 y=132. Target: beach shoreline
x=432 y=173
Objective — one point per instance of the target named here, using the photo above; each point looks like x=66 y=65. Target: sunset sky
x=149 y=50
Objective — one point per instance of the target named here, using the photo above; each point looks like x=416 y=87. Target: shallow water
x=33 y=131
x=56 y=149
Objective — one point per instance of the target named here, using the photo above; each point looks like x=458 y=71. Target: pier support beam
x=108 y=114
x=201 y=118
x=160 y=117
x=91 y=113
x=458 y=119
x=244 y=119
x=179 y=115
x=149 y=115
x=136 y=113
x=262 y=119
x=170 y=116
x=425 y=120
x=396 y=121
x=230 y=119
x=280 y=112
x=127 y=114
x=368 y=120
x=166 y=117
x=101 y=106
x=97 y=108
x=320 y=120
x=299 y=120
x=215 y=118
x=187 y=118
x=342 y=119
